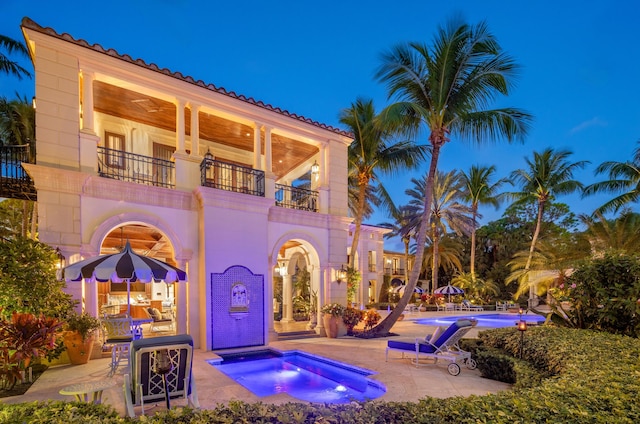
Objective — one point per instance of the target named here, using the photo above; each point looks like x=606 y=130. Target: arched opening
x=156 y=300
x=296 y=285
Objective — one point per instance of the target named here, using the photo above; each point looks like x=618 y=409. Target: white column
x=287 y=299
x=87 y=100
x=180 y=103
x=181 y=301
x=195 y=130
x=267 y=151
x=257 y=146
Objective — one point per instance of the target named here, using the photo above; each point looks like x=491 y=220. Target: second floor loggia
x=144 y=139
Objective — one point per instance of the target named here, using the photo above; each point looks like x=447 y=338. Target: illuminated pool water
x=486 y=320
x=304 y=376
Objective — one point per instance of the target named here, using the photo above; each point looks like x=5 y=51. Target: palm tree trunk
x=358 y=223
x=534 y=240
x=406 y=259
x=34 y=220
x=435 y=266
x=473 y=242
x=385 y=325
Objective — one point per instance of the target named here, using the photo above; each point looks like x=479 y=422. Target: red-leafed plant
x=22 y=338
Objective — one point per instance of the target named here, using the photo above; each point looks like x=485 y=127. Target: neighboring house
x=395 y=265
x=221 y=185
x=369 y=262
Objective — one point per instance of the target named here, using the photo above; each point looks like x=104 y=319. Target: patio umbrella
x=449 y=290
x=400 y=289
x=126 y=266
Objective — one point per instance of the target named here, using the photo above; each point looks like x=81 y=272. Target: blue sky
x=580 y=61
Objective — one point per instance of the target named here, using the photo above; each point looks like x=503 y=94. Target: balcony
x=296 y=198
x=139 y=169
x=14 y=181
x=393 y=271
x=231 y=177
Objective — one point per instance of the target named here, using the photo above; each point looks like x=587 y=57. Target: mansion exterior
x=236 y=192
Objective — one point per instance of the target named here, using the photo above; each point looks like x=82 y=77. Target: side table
x=87 y=392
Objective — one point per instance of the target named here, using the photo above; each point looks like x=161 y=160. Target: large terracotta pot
x=331 y=325
x=79 y=351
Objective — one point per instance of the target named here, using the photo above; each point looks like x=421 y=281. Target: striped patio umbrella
x=126 y=266
x=400 y=289
x=449 y=290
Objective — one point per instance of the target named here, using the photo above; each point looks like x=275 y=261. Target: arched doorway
x=113 y=297
x=296 y=287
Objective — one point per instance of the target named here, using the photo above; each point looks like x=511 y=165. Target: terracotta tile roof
x=29 y=23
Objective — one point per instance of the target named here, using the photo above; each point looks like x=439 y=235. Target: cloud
x=593 y=122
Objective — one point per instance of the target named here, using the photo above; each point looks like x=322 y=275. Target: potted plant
x=79 y=336
x=332 y=317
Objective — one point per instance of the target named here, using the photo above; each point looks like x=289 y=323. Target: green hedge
x=592 y=377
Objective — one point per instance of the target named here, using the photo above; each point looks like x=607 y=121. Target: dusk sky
x=579 y=60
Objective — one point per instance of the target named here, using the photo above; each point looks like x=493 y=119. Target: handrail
x=231 y=177
x=135 y=168
x=296 y=198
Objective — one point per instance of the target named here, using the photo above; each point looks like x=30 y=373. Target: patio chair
x=442 y=346
x=118 y=333
x=143 y=385
x=468 y=306
x=160 y=320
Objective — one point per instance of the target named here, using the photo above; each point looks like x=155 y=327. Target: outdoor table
x=136 y=326
x=87 y=392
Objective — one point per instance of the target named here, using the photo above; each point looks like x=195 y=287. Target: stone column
x=287 y=299
x=180 y=104
x=195 y=130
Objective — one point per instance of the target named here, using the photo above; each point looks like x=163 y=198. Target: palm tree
x=623 y=176
x=549 y=265
x=547 y=176
x=448 y=257
x=621 y=233
x=447 y=213
x=8 y=66
x=479 y=190
x=371 y=151
x=474 y=287
x=447 y=88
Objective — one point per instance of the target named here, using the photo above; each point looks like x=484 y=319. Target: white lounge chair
x=468 y=306
x=445 y=346
x=143 y=385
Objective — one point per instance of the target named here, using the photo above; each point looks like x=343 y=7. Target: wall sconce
x=282 y=269
x=209 y=156
x=522 y=327
x=341 y=274
x=61 y=259
x=315 y=170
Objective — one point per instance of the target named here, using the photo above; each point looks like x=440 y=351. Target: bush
x=606 y=294
x=594 y=380
x=351 y=317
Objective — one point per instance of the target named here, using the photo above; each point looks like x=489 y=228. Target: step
x=292 y=335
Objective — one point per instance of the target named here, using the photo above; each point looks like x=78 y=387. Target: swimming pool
x=302 y=375
x=484 y=320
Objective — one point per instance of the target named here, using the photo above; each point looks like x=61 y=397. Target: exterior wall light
x=341 y=274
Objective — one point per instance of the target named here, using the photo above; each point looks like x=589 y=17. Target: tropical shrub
x=23 y=338
x=351 y=317
x=28 y=282
x=604 y=294
x=371 y=318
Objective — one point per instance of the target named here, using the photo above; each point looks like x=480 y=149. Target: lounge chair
x=142 y=385
x=438 y=346
x=468 y=306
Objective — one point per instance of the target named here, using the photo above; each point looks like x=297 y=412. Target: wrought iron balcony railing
x=296 y=198
x=15 y=183
x=231 y=177
x=125 y=166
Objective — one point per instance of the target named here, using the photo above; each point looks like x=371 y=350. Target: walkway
x=404 y=381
